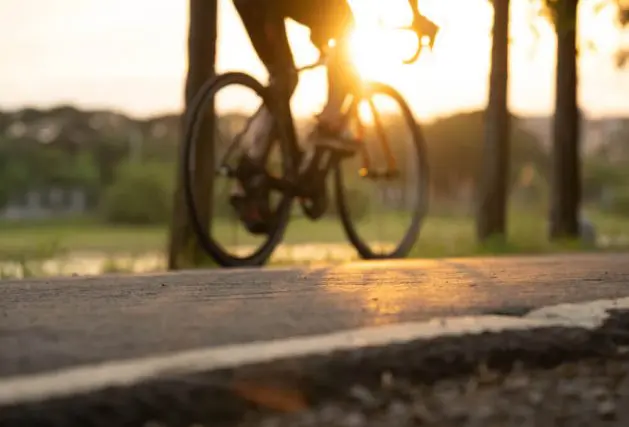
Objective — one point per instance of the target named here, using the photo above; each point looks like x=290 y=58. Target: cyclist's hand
x=422 y=27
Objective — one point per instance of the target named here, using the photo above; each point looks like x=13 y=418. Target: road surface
x=60 y=323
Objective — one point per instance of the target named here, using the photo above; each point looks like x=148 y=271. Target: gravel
x=539 y=377
x=593 y=392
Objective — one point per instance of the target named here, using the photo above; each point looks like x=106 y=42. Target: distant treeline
x=94 y=150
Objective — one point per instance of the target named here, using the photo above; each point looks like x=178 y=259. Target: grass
x=443 y=235
x=88 y=235
x=454 y=235
x=82 y=234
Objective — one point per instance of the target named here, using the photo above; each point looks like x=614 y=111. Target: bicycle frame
x=352 y=112
x=295 y=183
x=306 y=181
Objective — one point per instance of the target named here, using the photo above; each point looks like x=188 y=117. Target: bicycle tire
x=198 y=106
x=412 y=233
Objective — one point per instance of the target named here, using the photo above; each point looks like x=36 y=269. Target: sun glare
x=460 y=59
x=376 y=46
x=364 y=113
x=379 y=46
x=377 y=51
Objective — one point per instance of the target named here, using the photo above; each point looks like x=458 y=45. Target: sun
x=376 y=46
x=377 y=51
x=379 y=46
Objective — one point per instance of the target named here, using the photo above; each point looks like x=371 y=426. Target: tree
x=184 y=250
x=566 y=174
x=566 y=187
x=491 y=216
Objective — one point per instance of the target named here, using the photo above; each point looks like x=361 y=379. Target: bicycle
x=308 y=186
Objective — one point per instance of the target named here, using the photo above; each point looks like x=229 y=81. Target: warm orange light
x=364 y=113
x=378 y=51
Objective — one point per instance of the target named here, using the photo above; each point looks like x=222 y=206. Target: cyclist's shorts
x=327 y=19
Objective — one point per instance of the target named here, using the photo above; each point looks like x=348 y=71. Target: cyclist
x=327 y=20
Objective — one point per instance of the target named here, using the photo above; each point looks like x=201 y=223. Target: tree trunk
x=184 y=251
x=492 y=209
x=566 y=182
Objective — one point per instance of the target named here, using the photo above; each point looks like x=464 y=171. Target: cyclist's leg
x=342 y=75
x=264 y=22
x=330 y=19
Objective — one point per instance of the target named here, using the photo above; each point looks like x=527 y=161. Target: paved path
x=51 y=324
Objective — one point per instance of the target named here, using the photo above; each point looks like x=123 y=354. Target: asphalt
x=52 y=324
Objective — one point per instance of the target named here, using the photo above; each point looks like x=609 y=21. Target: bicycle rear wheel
x=250 y=249
x=390 y=143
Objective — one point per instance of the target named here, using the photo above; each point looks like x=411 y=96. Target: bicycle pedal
x=255 y=223
x=250 y=215
x=344 y=150
x=344 y=153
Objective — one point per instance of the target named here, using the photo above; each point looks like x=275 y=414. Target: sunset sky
x=130 y=55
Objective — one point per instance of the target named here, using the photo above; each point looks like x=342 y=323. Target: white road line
x=589 y=315
x=73 y=381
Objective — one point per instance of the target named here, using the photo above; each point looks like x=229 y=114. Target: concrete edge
x=92 y=378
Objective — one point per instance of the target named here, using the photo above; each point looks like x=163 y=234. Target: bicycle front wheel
x=232 y=99
x=388 y=175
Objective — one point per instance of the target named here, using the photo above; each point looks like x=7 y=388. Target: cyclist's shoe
x=338 y=141
x=251 y=200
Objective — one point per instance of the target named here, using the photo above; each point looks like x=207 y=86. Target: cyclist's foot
x=332 y=137
x=335 y=140
x=251 y=203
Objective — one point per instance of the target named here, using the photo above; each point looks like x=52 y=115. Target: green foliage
x=620 y=202
x=532 y=190
x=606 y=184
x=13 y=175
x=110 y=151
x=357 y=200
x=599 y=175
x=140 y=194
x=358 y=203
x=26 y=165
x=455 y=149
x=616 y=145
x=83 y=149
